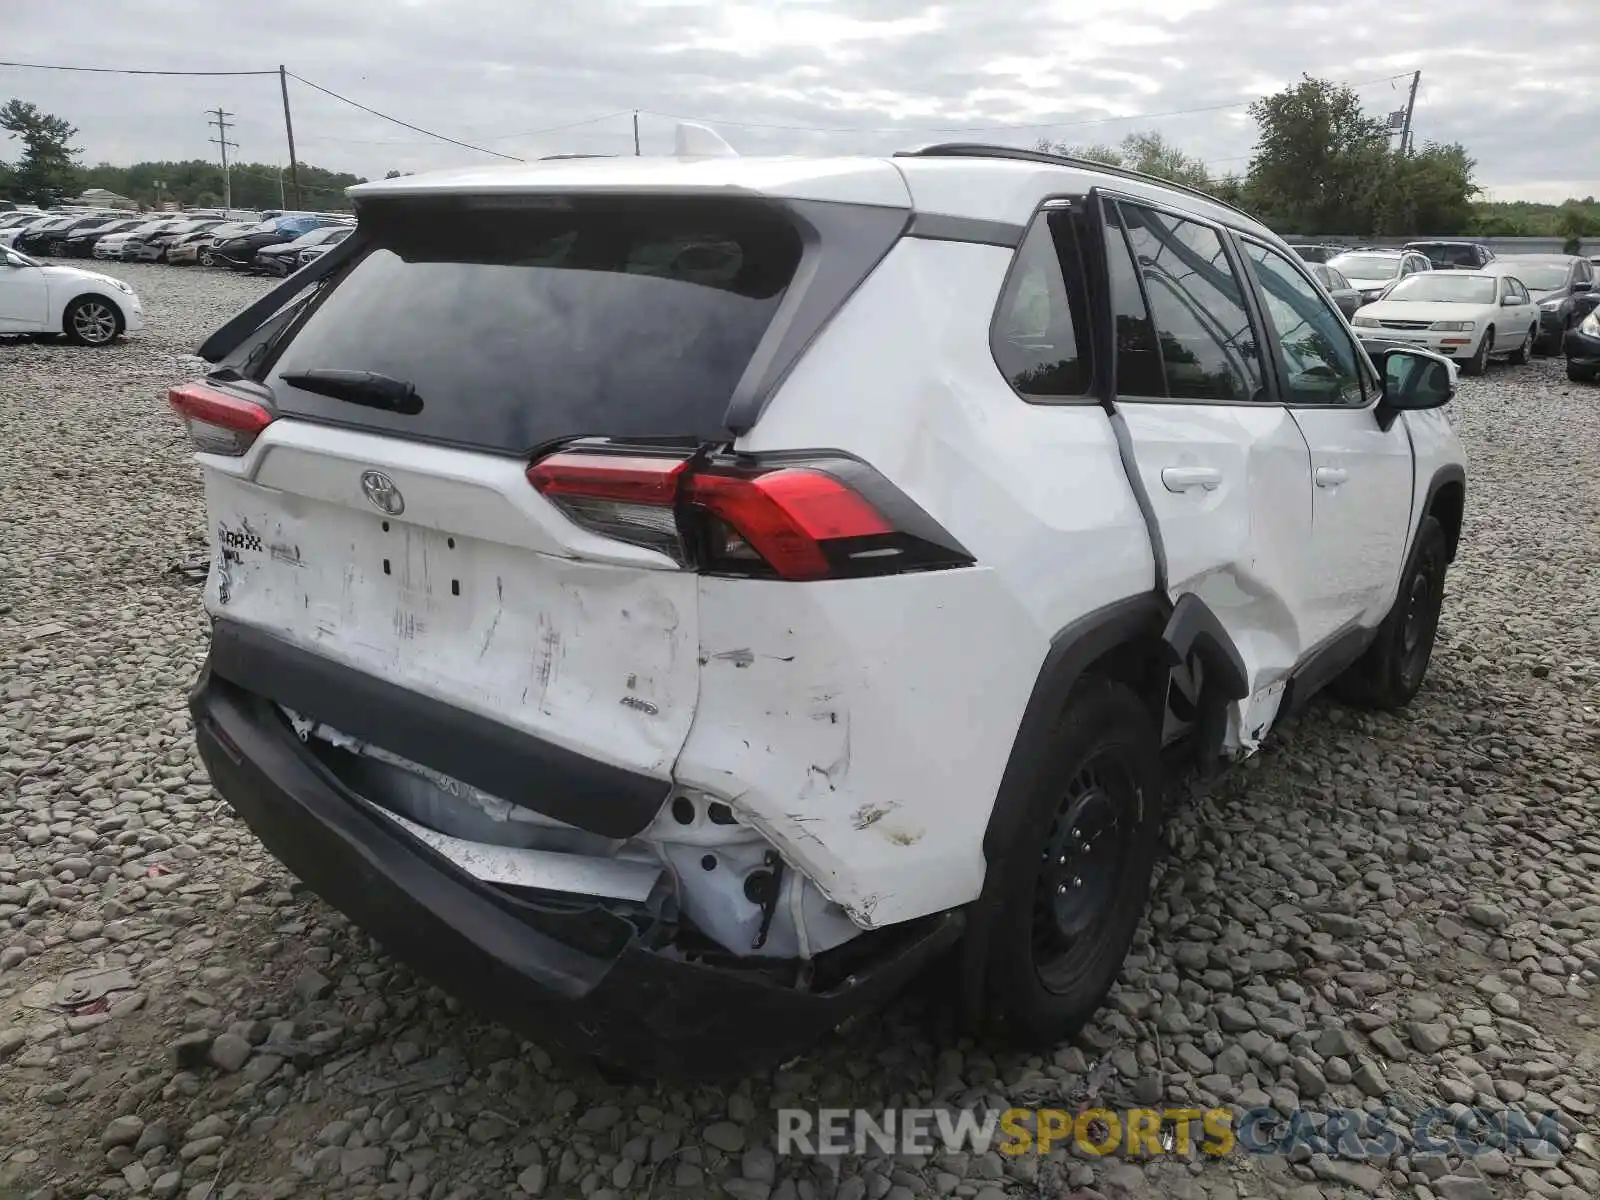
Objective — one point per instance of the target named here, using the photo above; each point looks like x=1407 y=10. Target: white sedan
x=91 y=309
x=1464 y=315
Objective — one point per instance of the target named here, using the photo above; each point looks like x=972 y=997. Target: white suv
x=671 y=601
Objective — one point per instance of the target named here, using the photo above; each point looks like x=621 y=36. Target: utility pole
x=220 y=120
x=636 y=133
x=288 y=128
x=1411 y=103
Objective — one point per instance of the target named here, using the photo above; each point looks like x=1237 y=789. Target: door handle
x=1329 y=477
x=1183 y=479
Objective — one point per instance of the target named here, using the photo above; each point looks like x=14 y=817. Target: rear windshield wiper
x=358 y=387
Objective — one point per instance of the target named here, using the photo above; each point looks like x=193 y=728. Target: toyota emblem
x=380 y=489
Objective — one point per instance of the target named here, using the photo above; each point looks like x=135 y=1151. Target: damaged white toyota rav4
x=672 y=601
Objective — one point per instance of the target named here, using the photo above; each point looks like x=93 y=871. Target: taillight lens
x=219 y=423
x=805 y=518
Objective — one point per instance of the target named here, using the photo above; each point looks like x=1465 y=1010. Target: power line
x=122 y=70
x=499 y=137
x=405 y=124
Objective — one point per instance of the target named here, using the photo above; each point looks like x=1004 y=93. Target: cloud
x=806 y=76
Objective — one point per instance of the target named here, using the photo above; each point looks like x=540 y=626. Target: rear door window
x=523 y=323
x=1208 y=346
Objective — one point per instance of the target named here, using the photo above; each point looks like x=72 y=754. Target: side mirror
x=1510 y=302
x=1413 y=380
x=1583 y=285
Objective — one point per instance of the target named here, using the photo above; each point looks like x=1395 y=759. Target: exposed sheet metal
x=612 y=878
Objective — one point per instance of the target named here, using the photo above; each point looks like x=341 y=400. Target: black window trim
x=1269 y=381
x=1055 y=202
x=1371 y=385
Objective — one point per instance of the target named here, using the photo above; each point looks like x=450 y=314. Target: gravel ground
x=1399 y=910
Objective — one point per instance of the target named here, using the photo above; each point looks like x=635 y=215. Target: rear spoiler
x=242 y=324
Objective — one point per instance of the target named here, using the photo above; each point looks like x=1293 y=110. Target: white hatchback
x=1469 y=316
x=90 y=308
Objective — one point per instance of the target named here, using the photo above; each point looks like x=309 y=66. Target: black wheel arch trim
x=1194 y=629
x=1450 y=473
x=1072 y=651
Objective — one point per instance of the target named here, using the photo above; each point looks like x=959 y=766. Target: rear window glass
x=519 y=324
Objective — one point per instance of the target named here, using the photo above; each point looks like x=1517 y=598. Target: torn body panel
x=595 y=657
x=878 y=791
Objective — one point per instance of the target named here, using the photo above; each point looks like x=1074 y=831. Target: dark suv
x=1454 y=256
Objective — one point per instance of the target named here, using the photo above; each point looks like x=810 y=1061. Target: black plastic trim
x=245 y=322
x=630 y=1003
x=943 y=227
x=1072 y=651
x=841 y=244
x=1194 y=629
x=504 y=762
x=1325 y=663
x=1445 y=475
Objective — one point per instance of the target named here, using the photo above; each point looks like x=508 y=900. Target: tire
x=1523 y=352
x=92 y=321
x=207 y=258
x=1391 y=672
x=1050 y=963
x=1579 y=374
x=1479 y=362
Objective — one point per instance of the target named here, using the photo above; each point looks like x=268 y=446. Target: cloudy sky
x=1519 y=84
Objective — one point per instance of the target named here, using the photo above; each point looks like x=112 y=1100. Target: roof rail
x=554 y=157
x=984 y=150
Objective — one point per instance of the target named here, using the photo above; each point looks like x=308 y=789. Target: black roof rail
x=985 y=150
x=553 y=157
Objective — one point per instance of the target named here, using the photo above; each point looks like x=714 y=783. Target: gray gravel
x=1382 y=912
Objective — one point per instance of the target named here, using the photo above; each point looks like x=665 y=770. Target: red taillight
x=219 y=423
x=819 y=519
x=787 y=517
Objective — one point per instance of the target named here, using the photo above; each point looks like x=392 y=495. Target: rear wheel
x=1078 y=876
x=1521 y=354
x=1479 y=362
x=207 y=258
x=1391 y=672
x=91 y=321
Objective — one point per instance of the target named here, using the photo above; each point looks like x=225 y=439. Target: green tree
x=1573 y=224
x=1426 y=192
x=1147 y=152
x=48 y=169
x=1319 y=159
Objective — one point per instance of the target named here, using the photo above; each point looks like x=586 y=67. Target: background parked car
x=91 y=309
x=284 y=258
x=200 y=247
x=46 y=236
x=134 y=242
x=1470 y=316
x=1337 y=287
x=1556 y=281
x=1318 y=253
x=1448 y=255
x=153 y=247
x=240 y=252
x=81 y=242
x=1582 y=342
x=1371 y=271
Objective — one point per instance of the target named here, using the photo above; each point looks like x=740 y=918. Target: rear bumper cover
x=580 y=982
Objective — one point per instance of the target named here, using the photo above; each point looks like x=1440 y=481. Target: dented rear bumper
x=580 y=980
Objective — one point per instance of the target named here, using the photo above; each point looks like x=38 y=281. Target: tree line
x=1320 y=165
x=49 y=172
